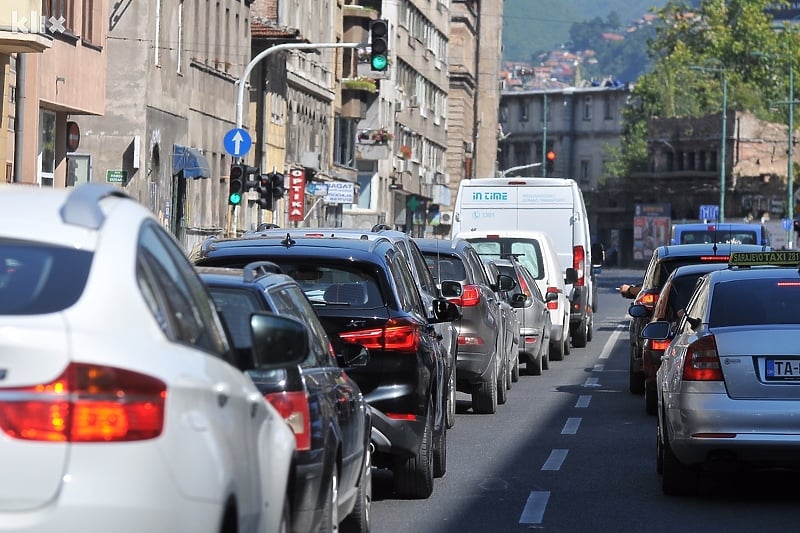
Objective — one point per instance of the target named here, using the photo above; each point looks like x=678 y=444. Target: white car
x=121 y=407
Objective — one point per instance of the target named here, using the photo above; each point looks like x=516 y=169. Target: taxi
x=728 y=386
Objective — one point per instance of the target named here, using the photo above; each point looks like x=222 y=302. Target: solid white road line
x=571 y=427
x=592 y=382
x=555 y=460
x=583 y=401
x=534 y=507
x=612 y=340
x=599 y=367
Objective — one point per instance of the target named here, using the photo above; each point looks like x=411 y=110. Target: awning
x=190 y=161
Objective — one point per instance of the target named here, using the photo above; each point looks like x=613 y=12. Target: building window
x=608 y=106
x=344 y=151
x=503 y=113
x=61 y=11
x=523 y=111
x=88 y=24
x=364 y=190
x=47 y=147
x=587 y=108
x=180 y=37
x=585 y=165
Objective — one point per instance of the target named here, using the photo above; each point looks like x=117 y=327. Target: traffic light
x=379 y=38
x=551 y=160
x=276 y=185
x=264 y=188
x=236 y=184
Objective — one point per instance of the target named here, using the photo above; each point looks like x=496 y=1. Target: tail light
x=578 y=259
x=470 y=340
x=293 y=407
x=647 y=298
x=399 y=335
x=659 y=345
x=702 y=361
x=470 y=297
x=86 y=403
x=554 y=303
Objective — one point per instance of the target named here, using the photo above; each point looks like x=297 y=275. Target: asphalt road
x=574 y=451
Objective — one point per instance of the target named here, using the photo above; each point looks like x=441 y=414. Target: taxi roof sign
x=774 y=258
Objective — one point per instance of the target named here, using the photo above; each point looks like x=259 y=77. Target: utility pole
x=544 y=136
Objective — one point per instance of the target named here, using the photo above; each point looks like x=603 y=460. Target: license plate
x=783 y=369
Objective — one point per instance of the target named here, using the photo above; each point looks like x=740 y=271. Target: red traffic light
x=551 y=155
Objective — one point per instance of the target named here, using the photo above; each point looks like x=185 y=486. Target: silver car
x=509 y=325
x=729 y=382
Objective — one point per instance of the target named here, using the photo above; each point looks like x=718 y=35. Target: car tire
x=509 y=377
x=581 y=334
x=330 y=512
x=677 y=479
x=650 y=400
x=484 y=399
x=502 y=385
x=590 y=329
x=515 y=370
x=567 y=337
x=534 y=366
x=545 y=355
x=635 y=379
x=659 y=451
x=450 y=411
x=413 y=477
x=440 y=453
x=358 y=521
x=556 y=352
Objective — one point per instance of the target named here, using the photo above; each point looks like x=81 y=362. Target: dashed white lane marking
x=599 y=367
x=571 y=426
x=555 y=460
x=583 y=401
x=612 y=340
x=592 y=382
x=534 y=507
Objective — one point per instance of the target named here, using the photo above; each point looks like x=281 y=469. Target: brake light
x=715 y=258
x=470 y=340
x=470 y=296
x=659 y=345
x=554 y=303
x=86 y=403
x=702 y=361
x=293 y=407
x=647 y=298
x=578 y=258
x=397 y=334
x=789 y=284
x=402 y=416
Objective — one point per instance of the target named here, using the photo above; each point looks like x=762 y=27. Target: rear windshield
x=705 y=236
x=340 y=285
x=38 y=279
x=664 y=268
x=445 y=267
x=755 y=302
x=527 y=251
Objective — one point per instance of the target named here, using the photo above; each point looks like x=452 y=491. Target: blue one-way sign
x=237 y=142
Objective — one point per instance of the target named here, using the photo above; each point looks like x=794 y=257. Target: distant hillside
x=531 y=26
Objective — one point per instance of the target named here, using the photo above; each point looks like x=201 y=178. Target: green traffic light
x=235 y=198
x=379 y=63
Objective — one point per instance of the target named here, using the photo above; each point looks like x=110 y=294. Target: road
x=574 y=451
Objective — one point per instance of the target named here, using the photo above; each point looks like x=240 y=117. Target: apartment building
x=53 y=61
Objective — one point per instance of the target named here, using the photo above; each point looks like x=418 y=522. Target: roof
x=253 y=245
x=721 y=249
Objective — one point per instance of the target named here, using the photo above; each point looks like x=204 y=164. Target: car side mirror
x=551 y=297
x=657 y=331
x=444 y=311
x=519 y=299
x=353 y=355
x=277 y=341
x=451 y=289
x=639 y=311
x=506 y=282
x=570 y=276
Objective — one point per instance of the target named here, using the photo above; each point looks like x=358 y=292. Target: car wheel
x=677 y=479
x=484 y=399
x=502 y=385
x=635 y=379
x=556 y=352
x=534 y=366
x=440 y=453
x=450 y=412
x=580 y=336
x=413 y=477
x=330 y=513
x=545 y=355
x=650 y=400
x=358 y=521
x=567 y=337
x=590 y=329
x=515 y=370
x=659 y=451
x=509 y=376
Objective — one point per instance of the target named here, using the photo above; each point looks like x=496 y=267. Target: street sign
x=709 y=212
x=116 y=176
x=787 y=224
x=237 y=142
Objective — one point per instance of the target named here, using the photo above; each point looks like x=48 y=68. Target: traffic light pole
x=277 y=48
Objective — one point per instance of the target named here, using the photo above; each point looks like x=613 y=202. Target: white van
x=552 y=205
x=536 y=252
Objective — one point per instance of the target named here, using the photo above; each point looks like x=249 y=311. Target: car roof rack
x=257 y=269
x=82 y=207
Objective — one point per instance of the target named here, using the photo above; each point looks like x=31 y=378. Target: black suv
x=364 y=293
x=320 y=402
x=666 y=259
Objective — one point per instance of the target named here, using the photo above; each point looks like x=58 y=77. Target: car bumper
x=396 y=437
x=306 y=501
x=473 y=367
x=578 y=308
x=760 y=432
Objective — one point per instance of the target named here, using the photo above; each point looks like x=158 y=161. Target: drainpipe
x=19 y=119
x=476 y=97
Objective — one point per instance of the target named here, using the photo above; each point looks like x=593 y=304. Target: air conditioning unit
x=469 y=147
x=413 y=101
x=445 y=217
x=398 y=107
x=427 y=177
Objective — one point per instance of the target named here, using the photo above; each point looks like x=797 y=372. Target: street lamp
x=512 y=169
x=721 y=70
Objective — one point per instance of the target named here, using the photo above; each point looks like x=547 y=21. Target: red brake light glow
x=293 y=407
x=578 y=258
x=715 y=258
x=86 y=403
x=398 y=335
x=647 y=298
x=789 y=284
x=659 y=345
x=554 y=303
x=702 y=361
x=470 y=297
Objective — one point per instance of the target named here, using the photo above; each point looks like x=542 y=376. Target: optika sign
x=297 y=191
x=489 y=196
x=36 y=23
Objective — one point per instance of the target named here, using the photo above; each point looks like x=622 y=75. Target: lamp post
x=723 y=156
x=544 y=134
x=521 y=167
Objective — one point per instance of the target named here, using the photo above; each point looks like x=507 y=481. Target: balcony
x=374 y=144
x=23 y=30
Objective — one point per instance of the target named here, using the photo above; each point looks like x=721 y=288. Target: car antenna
x=288 y=241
